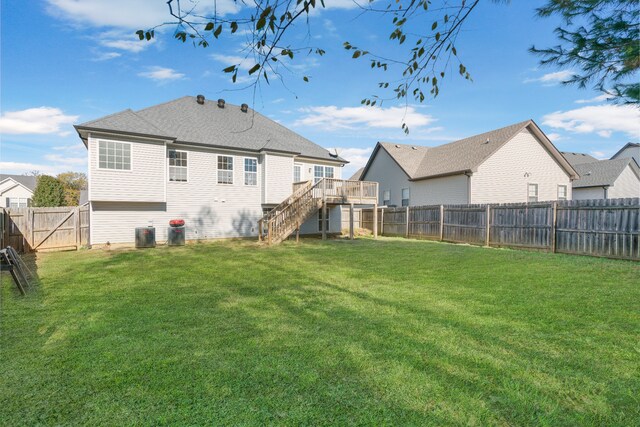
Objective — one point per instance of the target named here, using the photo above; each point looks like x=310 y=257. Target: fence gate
x=31 y=229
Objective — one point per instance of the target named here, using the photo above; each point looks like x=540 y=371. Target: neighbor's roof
x=356 y=176
x=28 y=181
x=460 y=156
x=185 y=121
x=603 y=172
x=627 y=145
x=578 y=158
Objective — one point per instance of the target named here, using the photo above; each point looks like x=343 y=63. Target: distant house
x=517 y=163
x=16 y=191
x=631 y=149
x=604 y=179
x=217 y=166
x=356 y=176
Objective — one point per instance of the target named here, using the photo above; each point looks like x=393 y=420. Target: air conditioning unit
x=145 y=237
x=175 y=236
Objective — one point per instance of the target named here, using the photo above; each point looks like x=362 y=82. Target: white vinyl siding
x=225 y=170
x=443 y=190
x=503 y=177
x=145 y=182
x=178 y=166
x=627 y=185
x=114 y=155
x=250 y=171
x=388 y=174
x=279 y=178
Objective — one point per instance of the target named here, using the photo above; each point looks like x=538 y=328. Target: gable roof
x=578 y=158
x=26 y=181
x=603 y=173
x=356 y=176
x=184 y=121
x=627 y=145
x=462 y=156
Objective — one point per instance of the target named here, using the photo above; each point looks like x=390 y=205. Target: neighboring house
x=16 y=191
x=632 y=149
x=604 y=179
x=514 y=164
x=215 y=165
x=356 y=176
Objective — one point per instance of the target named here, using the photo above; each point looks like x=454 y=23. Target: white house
x=215 y=165
x=604 y=179
x=517 y=163
x=631 y=149
x=16 y=191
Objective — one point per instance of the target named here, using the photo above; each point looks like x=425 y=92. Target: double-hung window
x=532 y=192
x=225 y=170
x=177 y=165
x=562 y=192
x=114 y=155
x=250 y=171
x=17 y=202
x=386 y=197
x=297 y=173
x=405 y=197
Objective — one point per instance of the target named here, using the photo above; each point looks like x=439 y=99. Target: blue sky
x=65 y=62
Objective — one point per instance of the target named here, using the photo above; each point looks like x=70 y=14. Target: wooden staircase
x=307 y=199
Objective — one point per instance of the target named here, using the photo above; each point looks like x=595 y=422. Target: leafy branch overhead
x=600 y=38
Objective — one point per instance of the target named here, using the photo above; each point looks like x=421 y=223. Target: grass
x=388 y=332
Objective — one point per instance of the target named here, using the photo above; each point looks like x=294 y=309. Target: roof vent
x=487 y=141
x=221 y=103
x=397 y=146
x=414 y=148
x=244 y=108
x=200 y=99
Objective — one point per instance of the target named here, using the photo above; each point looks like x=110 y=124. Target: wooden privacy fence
x=607 y=228
x=31 y=229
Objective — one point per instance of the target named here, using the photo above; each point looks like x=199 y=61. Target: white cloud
x=61 y=160
x=599 y=98
x=331 y=118
x=133 y=46
x=107 y=56
x=40 y=120
x=600 y=155
x=133 y=15
x=552 y=78
x=554 y=137
x=242 y=62
x=357 y=158
x=161 y=74
x=600 y=119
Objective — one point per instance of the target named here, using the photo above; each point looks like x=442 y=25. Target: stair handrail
x=265 y=218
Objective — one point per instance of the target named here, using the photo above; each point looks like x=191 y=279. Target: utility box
x=175 y=236
x=145 y=237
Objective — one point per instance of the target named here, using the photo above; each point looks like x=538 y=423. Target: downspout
x=468 y=175
x=606 y=191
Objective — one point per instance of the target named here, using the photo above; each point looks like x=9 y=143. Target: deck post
x=382 y=221
x=269 y=231
x=324 y=220
x=375 y=220
x=297 y=233
x=351 y=221
x=260 y=230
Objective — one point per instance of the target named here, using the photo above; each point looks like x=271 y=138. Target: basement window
x=177 y=165
x=225 y=170
x=532 y=192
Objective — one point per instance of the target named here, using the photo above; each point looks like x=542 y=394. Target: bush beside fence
x=607 y=228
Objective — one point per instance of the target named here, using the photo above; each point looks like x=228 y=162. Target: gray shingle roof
x=458 y=156
x=356 y=176
x=627 y=145
x=28 y=181
x=601 y=173
x=186 y=121
x=578 y=158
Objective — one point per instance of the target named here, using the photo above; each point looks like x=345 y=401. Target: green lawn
x=395 y=332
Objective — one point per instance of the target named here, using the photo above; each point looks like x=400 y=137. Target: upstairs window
x=562 y=192
x=114 y=155
x=386 y=197
x=250 y=171
x=297 y=173
x=532 y=193
x=320 y=172
x=405 y=197
x=177 y=166
x=225 y=170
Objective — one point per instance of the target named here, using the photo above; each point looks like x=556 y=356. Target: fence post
x=77 y=215
x=382 y=222
x=488 y=225
x=406 y=233
x=554 y=219
x=32 y=225
x=441 y=222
